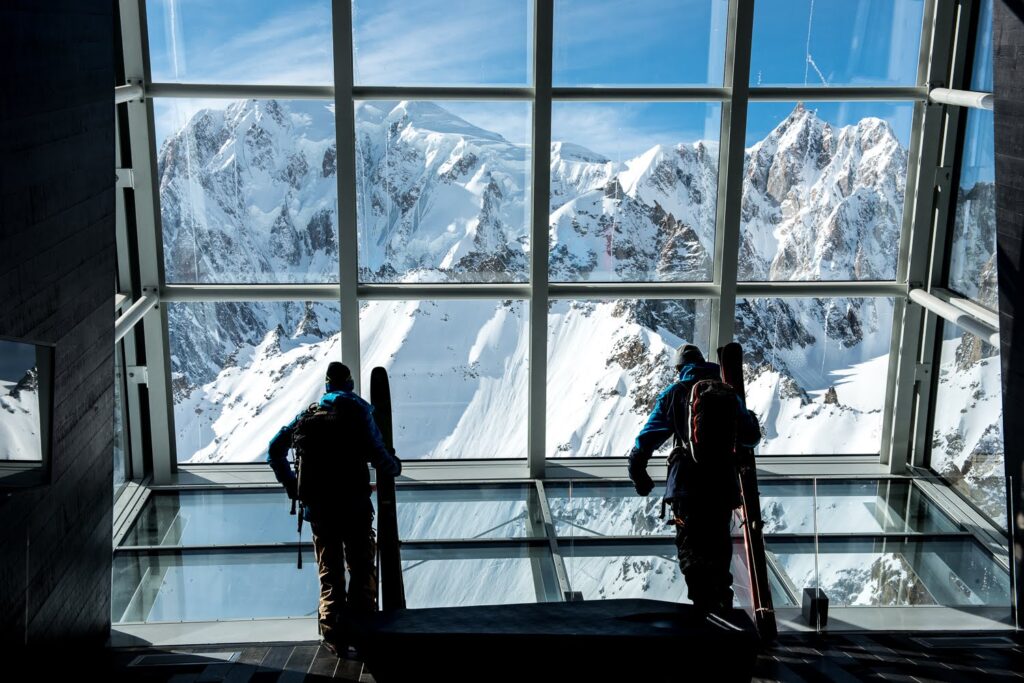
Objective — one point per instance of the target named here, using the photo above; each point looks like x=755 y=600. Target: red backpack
x=704 y=417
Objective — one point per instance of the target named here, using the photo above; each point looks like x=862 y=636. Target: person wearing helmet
x=336 y=501
x=702 y=492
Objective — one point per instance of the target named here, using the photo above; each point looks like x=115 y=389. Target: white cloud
x=623 y=131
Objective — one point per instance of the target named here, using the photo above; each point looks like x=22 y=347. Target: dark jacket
x=687 y=479
x=364 y=429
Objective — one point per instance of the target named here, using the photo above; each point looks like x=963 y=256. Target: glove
x=643 y=483
x=638 y=473
x=291 y=487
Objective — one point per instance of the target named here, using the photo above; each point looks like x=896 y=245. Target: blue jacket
x=379 y=455
x=686 y=479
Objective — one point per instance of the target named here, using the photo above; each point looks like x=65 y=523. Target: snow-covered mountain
x=248 y=194
x=19 y=418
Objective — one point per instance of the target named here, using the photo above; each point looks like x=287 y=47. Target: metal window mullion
x=131 y=398
x=543 y=38
x=930 y=270
x=561 y=575
x=149 y=240
x=348 y=236
x=730 y=171
x=903 y=390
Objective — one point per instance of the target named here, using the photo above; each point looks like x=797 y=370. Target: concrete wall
x=56 y=285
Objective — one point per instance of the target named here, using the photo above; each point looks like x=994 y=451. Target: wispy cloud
x=484 y=42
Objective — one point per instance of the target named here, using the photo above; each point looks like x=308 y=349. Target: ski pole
x=298 y=563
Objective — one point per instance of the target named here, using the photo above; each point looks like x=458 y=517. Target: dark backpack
x=324 y=445
x=704 y=417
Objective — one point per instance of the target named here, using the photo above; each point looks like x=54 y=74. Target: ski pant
x=704 y=546
x=338 y=539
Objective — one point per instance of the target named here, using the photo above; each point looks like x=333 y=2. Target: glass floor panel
x=895 y=572
x=603 y=571
x=260 y=516
x=850 y=506
x=468 y=512
x=213 y=585
x=222 y=517
x=588 y=509
x=496 y=575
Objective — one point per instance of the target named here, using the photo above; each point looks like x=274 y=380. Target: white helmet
x=687 y=353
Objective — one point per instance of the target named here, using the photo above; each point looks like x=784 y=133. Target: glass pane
x=895 y=572
x=239 y=41
x=605 y=509
x=443 y=191
x=607 y=362
x=478 y=575
x=120 y=425
x=458 y=374
x=231 y=517
x=652 y=42
x=823 y=190
x=443 y=42
x=981 y=76
x=241 y=371
x=634 y=191
x=651 y=571
x=836 y=42
x=967 y=442
x=848 y=507
x=815 y=371
x=468 y=512
x=248 y=190
x=213 y=586
x=972 y=267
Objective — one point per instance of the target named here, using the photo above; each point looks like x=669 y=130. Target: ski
x=730 y=358
x=388 y=543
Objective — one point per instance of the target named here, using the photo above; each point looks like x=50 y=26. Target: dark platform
x=596 y=640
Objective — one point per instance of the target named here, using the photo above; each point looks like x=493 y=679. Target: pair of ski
x=730 y=360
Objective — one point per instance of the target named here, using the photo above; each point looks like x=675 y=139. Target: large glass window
x=652 y=42
x=458 y=374
x=634 y=190
x=823 y=190
x=248 y=190
x=443 y=191
x=241 y=371
x=836 y=42
x=972 y=268
x=967 y=438
x=607 y=363
x=814 y=372
x=239 y=41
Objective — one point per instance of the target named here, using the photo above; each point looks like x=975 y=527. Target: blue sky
x=597 y=42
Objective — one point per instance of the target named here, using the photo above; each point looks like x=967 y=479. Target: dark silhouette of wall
x=1008 y=73
x=56 y=285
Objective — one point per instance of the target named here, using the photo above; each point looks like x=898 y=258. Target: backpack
x=704 y=417
x=319 y=440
